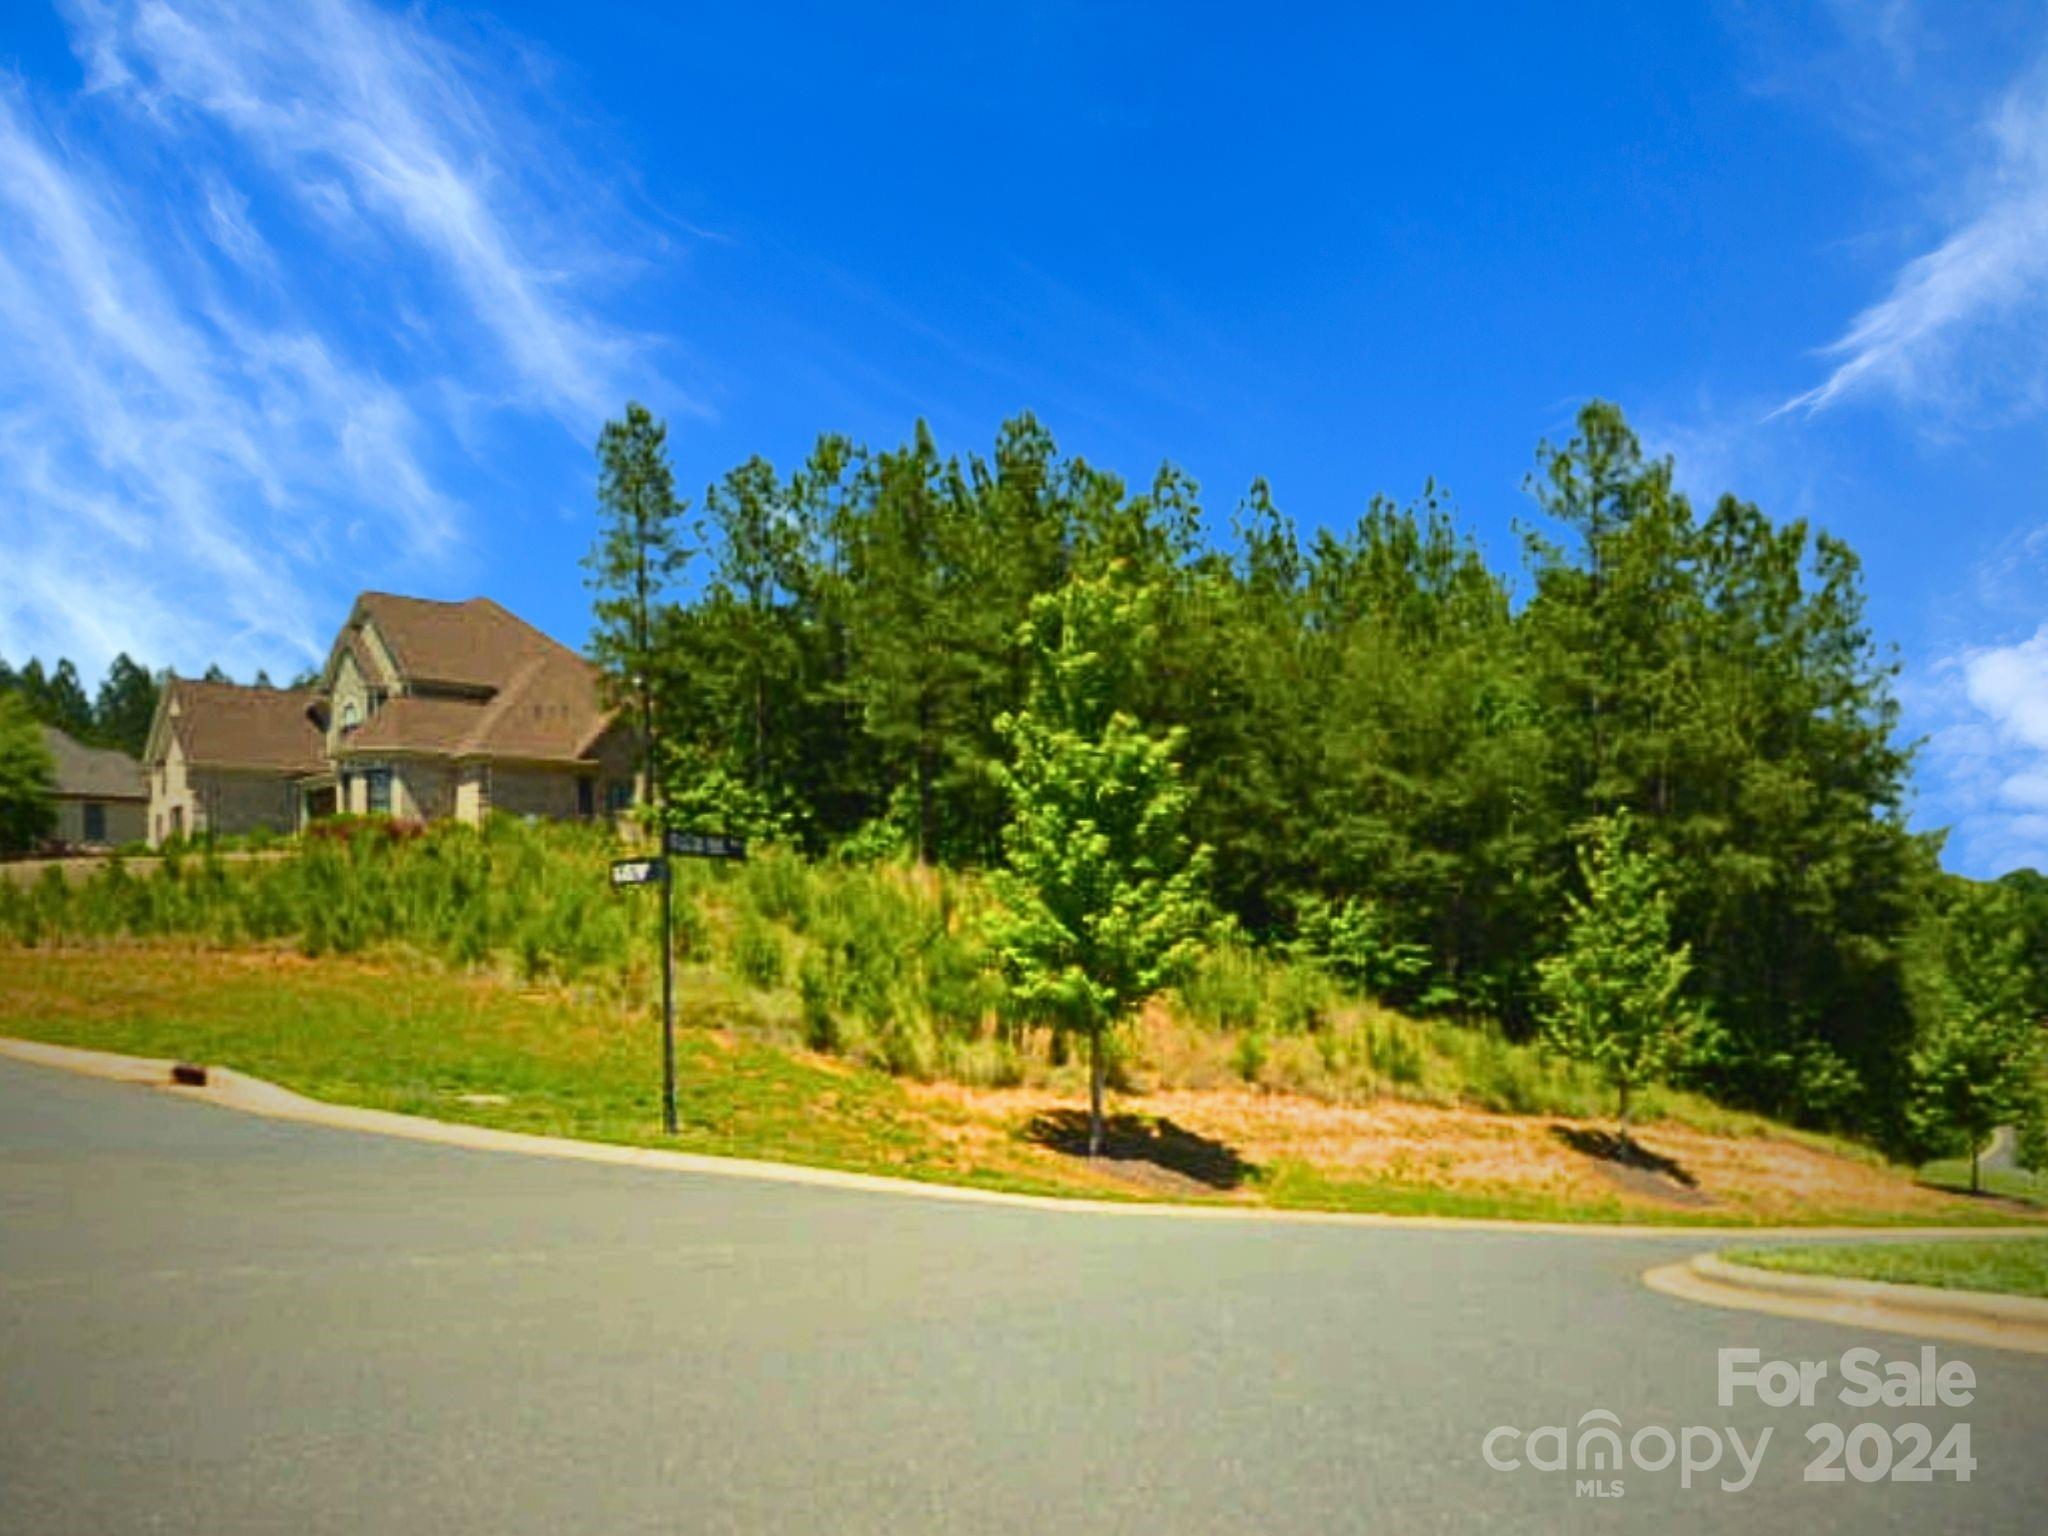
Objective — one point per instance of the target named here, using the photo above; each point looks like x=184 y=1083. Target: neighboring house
x=224 y=759
x=424 y=710
x=101 y=796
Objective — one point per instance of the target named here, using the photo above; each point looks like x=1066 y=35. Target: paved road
x=214 y=1323
x=2003 y=1153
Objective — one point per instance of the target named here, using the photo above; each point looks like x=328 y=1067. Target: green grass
x=420 y=1042
x=2014 y=1266
x=2010 y=1183
x=1299 y=1186
x=1292 y=1185
x=881 y=965
x=401 y=1031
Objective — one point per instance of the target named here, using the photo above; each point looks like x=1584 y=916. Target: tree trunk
x=1095 y=1093
x=1624 y=1105
x=1976 y=1151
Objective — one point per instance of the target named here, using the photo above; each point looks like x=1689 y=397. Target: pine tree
x=639 y=553
x=125 y=705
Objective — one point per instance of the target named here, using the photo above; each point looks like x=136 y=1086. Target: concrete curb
x=226 y=1088
x=1925 y=1311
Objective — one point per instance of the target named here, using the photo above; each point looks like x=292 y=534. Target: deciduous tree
x=27 y=777
x=1102 y=894
x=1612 y=996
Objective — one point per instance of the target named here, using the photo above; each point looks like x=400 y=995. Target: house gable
x=467 y=681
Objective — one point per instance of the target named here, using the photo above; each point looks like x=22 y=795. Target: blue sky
x=303 y=299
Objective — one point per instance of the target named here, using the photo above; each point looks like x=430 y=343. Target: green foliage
x=1389 y=759
x=535 y=897
x=757 y=956
x=1102 y=898
x=118 y=716
x=1612 y=994
x=1356 y=941
x=1225 y=990
x=639 y=552
x=125 y=706
x=887 y=965
x=1977 y=1063
x=26 y=778
x=2030 y=1145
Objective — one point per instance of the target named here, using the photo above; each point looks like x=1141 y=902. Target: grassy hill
x=848 y=1015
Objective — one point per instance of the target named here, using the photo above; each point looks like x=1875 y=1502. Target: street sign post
x=655 y=871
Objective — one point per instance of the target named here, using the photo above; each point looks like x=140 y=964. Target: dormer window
x=351 y=717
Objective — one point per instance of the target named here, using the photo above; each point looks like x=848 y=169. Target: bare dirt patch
x=1663 y=1166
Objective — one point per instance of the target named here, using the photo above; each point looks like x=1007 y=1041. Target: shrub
x=1396 y=1050
x=1252 y=1052
x=757 y=954
x=1356 y=941
x=1227 y=989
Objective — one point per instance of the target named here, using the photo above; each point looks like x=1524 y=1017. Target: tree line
x=118 y=713
x=1395 y=755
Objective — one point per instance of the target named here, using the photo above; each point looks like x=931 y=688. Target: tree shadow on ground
x=1137 y=1141
x=1621 y=1148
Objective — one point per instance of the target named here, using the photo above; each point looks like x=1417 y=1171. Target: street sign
x=654 y=871
x=706 y=845
x=637 y=871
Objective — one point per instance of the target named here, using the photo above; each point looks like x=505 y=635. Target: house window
x=618 y=794
x=351 y=717
x=586 y=797
x=95 y=823
x=378 y=783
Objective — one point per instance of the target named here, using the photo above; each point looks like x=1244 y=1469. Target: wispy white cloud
x=1987 y=751
x=221 y=407
x=1964 y=325
x=363 y=113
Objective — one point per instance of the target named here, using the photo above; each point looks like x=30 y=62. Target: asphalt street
x=215 y=1323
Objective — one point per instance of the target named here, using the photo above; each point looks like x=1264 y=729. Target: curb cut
x=1925 y=1311
x=226 y=1088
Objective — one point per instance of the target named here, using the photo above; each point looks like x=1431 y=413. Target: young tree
x=1101 y=899
x=638 y=553
x=1611 y=996
x=26 y=777
x=1977 y=1063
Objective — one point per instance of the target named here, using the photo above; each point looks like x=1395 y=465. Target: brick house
x=226 y=759
x=101 y=796
x=424 y=710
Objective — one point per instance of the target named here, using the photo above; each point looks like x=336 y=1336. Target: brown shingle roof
x=550 y=712
x=552 y=709
x=533 y=698
x=224 y=725
x=96 y=773
x=473 y=644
